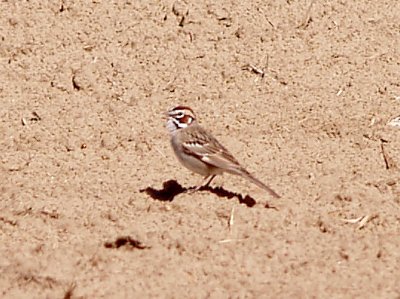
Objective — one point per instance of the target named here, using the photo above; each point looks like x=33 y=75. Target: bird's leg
x=211 y=177
x=207 y=180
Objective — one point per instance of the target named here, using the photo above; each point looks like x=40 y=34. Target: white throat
x=173 y=125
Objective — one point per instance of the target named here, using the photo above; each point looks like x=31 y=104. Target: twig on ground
x=252 y=68
x=362 y=221
x=230 y=240
x=307 y=18
x=389 y=162
x=230 y=222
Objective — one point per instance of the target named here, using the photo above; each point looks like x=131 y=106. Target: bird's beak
x=165 y=115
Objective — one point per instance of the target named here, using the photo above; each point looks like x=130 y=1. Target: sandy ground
x=300 y=94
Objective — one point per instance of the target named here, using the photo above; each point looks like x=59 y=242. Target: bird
x=199 y=151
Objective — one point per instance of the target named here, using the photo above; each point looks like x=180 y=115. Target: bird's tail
x=257 y=182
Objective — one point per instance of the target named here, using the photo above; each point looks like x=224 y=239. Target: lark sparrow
x=200 y=152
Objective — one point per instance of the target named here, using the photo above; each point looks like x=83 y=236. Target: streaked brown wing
x=210 y=151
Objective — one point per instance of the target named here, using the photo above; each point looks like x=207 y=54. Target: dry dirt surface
x=303 y=93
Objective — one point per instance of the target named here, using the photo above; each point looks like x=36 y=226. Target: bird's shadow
x=172 y=188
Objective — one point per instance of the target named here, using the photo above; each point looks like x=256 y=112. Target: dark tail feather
x=260 y=184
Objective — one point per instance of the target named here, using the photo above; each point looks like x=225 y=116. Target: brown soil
x=300 y=94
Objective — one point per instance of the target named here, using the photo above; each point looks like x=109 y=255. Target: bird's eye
x=180 y=115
